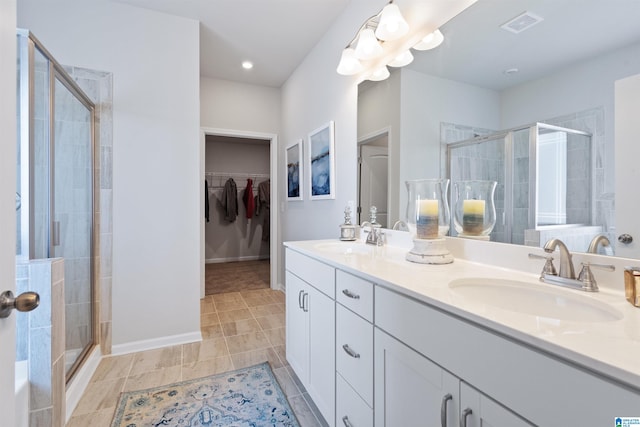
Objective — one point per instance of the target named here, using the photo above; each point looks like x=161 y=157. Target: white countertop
x=610 y=348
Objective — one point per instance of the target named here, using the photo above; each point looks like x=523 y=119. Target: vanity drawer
x=351 y=410
x=354 y=352
x=355 y=293
x=317 y=274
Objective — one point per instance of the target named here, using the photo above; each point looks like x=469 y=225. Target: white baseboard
x=80 y=381
x=235 y=259
x=154 y=343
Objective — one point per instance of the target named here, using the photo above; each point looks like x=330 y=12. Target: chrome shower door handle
x=26 y=301
x=55 y=231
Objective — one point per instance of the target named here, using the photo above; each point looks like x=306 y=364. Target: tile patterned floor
x=236 y=276
x=239 y=329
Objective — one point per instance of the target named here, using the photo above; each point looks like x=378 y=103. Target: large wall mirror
x=530 y=107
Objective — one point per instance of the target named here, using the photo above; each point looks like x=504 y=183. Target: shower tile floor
x=238 y=329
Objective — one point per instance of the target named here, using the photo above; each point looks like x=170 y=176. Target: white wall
x=311 y=97
x=156 y=184
x=239 y=106
x=379 y=109
x=7 y=206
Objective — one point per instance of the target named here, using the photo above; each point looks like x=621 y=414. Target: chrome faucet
x=566 y=264
x=600 y=239
x=400 y=225
x=566 y=275
x=375 y=236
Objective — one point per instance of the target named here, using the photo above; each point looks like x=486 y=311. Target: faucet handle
x=549 y=268
x=588 y=279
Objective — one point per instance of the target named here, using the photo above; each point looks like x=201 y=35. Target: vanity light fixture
x=378 y=74
x=383 y=40
x=368 y=46
x=392 y=25
x=405 y=58
x=430 y=41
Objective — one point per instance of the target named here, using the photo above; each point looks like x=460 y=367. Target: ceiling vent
x=521 y=22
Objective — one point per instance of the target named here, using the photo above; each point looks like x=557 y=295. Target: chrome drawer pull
x=346 y=421
x=300 y=299
x=443 y=409
x=350 y=294
x=463 y=417
x=350 y=352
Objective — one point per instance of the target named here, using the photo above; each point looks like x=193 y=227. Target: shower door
x=72 y=215
x=55 y=185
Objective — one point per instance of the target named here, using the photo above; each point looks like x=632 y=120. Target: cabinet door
x=479 y=410
x=410 y=390
x=297 y=328
x=322 y=354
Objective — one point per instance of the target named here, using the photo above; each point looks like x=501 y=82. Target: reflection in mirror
x=373 y=153
x=485 y=81
x=544 y=182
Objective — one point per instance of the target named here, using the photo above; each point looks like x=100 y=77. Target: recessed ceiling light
x=247 y=65
x=510 y=71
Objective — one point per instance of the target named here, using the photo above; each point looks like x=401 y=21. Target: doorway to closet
x=237 y=229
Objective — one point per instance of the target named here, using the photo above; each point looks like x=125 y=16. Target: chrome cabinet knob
x=26 y=301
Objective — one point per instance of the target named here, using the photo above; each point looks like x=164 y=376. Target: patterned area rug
x=249 y=397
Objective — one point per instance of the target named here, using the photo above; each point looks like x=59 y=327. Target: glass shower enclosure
x=54 y=195
x=544 y=181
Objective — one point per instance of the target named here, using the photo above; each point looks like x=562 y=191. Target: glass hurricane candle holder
x=427 y=208
x=475 y=211
x=428 y=221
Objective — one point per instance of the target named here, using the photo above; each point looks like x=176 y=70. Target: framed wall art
x=321 y=164
x=294 y=171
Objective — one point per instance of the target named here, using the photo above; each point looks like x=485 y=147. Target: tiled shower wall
x=98 y=86
x=484 y=161
x=40 y=339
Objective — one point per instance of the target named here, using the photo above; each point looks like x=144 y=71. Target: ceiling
x=477 y=51
x=275 y=35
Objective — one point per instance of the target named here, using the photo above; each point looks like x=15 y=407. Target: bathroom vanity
x=377 y=340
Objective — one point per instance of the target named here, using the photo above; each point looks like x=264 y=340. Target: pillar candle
x=427 y=221
x=473 y=217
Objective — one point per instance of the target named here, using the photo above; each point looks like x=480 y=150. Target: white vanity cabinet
x=354 y=351
x=382 y=355
x=310 y=335
x=518 y=384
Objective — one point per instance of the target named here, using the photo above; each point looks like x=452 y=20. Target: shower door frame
x=27 y=44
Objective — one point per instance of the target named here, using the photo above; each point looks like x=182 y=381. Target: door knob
x=26 y=301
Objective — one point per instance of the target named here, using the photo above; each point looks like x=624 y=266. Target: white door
x=478 y=410
x=7 y=205
x=322 y=354
x=374 y=181
x=297 y=326
x=627 y=153
x=411 y=390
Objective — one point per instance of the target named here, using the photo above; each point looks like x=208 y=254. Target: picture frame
x=321 y=163
x=294 y=162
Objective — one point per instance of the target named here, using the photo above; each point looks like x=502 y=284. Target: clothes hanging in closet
x=229 y=200
x=206 y=200
x=263 y=200
x=247 y=198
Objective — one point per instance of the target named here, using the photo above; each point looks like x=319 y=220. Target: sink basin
x=533 y=299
